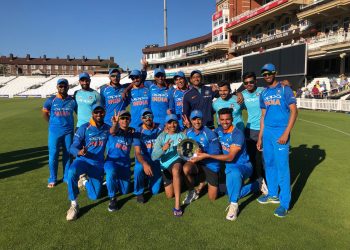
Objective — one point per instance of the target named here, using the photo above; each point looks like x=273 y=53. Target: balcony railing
x=315 y=43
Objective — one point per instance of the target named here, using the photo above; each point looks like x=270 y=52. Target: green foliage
x=33 y=216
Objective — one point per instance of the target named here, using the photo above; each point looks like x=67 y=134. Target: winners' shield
x=187 y=149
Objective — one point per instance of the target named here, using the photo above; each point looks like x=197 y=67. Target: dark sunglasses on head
x=268 y=74
x=134 y=77
x=249 y=82
x=124 y=118
x=96 y=112
x=149 y=116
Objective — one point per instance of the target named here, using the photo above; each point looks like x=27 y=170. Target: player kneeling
x=165 y=149
x=88 y=147
x=238 y=168
x=208 y=169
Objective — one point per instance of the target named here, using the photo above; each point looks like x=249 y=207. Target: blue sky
x=105 y=28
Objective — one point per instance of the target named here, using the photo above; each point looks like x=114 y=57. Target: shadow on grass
x=21 y=161
x=303 y=160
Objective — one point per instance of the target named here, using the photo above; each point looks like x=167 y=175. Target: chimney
x=68 y=58
x=99 y=58
x=28 y=57
x=111 y=58
x=84 y=58
x=11 y=57
x=44 y=57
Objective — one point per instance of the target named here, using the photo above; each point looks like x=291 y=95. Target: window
x=258 y=32
x=346 y=23
x=335 y=25
x=248 y=37
x=41 y=66
x=271 y=29
x=25 y=66
x=327 y=27
x=56 y=67
x=286 y=24
x=79 y=67
x=33 y=66
x=64 y=67
x=71 y=67
x=48 y=67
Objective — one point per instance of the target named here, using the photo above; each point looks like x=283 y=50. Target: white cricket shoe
x=72 y=213
x=232 y=211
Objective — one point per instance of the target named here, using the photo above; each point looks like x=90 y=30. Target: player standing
x=278 y=115
x=58 y=112
x=85 y=97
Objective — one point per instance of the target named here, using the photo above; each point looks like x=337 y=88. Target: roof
x=193 y=41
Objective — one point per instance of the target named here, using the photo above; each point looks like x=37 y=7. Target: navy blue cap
x=62 y=80
x=96 y=106
x=159 y=70
x=180 y=74
x=84 y=75
x=113 y=70
x=135 y=72
x=170 y=117
x=146 y=110
x=196 y=72
x=268 y=67
x=196 y=114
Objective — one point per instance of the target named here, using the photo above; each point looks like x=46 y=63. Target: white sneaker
x=191 y=196
x=82 y=179
x=72 y=213
x=263 y=186
x=232 y=211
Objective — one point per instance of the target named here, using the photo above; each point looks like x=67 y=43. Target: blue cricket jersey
x=252 y=104
x=234 y=136
x=85 y=100
x=119 y=146
x=236 y=113
x=147 y=138
x=209 y=143
x=111 y=99
x=276 y=101
x=159 y=97
x=94 y=139
x=61 y=111
x=140 y=99
x=176 y=104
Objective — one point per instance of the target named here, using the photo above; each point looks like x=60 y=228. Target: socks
x=74 y=203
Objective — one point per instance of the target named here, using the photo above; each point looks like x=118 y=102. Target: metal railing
x=324 y=104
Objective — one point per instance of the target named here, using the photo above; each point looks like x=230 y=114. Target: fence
x=324 y=104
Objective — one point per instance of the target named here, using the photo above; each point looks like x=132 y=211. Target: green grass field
x=33 y=216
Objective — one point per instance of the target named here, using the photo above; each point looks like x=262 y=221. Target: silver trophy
x=187 y=149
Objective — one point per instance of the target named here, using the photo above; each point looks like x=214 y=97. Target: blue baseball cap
x=113 y=70
x=158 y=71
x=170 y=117
x=196 y=114
x=145 y=111
x=180 y=74
x=196 y=72
x=135 y=72
x=84 y=75
x=124 y=113
x=268 y=67
x=97 y=106
x=62 y=80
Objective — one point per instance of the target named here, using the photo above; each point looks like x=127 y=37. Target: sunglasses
x=124 y=118
x=134 y=77
x=84 y=80
x=149 y=116
x=249 y=82
x=101 y=112
x=114 y=76
x=268 y=74
x=159 y=75
x=62 y=86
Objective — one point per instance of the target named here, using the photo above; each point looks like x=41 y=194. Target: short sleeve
x=262 y=104
x=289 y=95
x=237 y=138
x=136 y=138
x=47 y=105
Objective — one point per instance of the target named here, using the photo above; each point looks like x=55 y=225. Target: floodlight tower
x=165 y=25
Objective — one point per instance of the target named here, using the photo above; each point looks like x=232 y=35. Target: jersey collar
x=229 y=130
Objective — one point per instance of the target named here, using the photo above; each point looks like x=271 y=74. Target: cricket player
x=278 y=115
x=85 y=97
x=208 y=169
x=86 y=172
x=238 y=167
x=147 y=169
x=58 y=112
x=111 y=96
